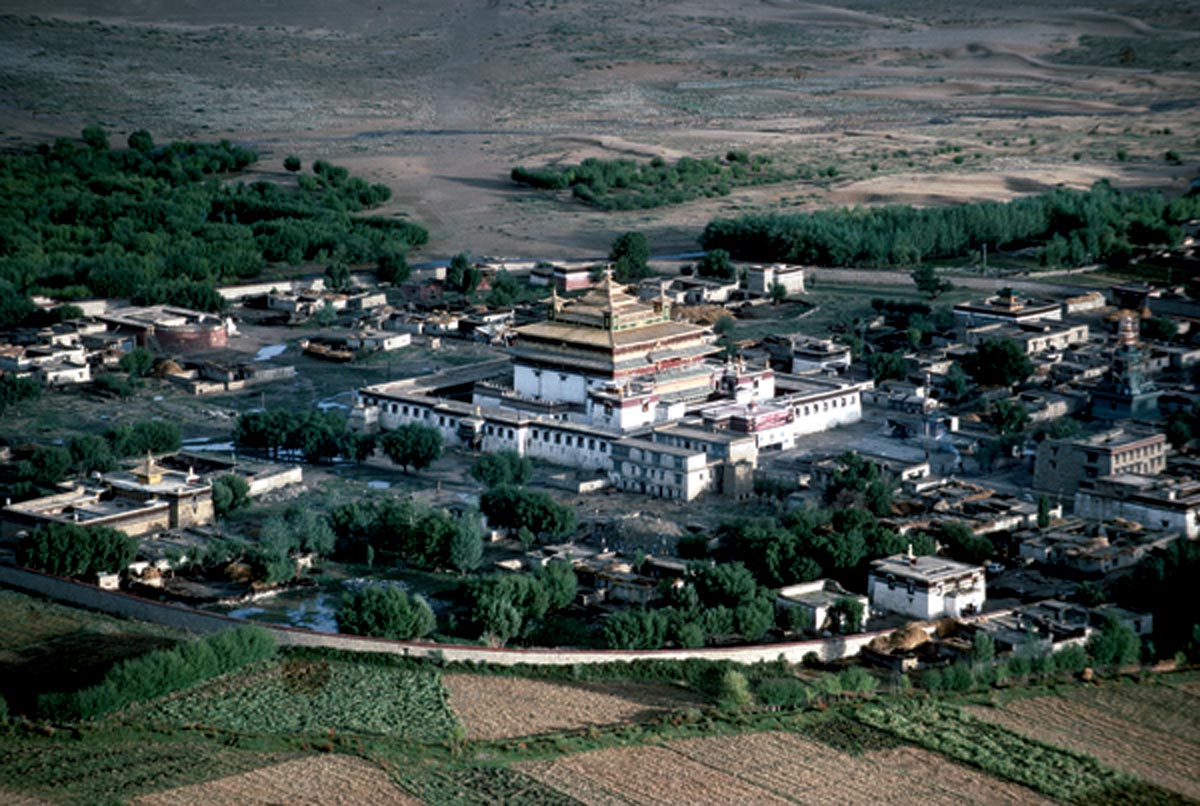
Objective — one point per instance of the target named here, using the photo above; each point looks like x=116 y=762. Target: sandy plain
x=925 y=104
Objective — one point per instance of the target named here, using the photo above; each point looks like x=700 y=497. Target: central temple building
x=612 y=360
x=611 y=385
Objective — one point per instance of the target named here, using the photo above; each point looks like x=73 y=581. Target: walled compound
x=613 y=385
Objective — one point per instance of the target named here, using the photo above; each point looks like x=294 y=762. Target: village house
x=926 y=587
x=761 y=279
x=1035 y=338
x=815 y=599
x=1006 y=307
x=1063 y=463
x=1153 y=501
x=1091 y=550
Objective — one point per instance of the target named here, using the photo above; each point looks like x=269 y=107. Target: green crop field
x=297 y=695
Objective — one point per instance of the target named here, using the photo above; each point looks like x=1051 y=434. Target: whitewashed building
x=926 y=587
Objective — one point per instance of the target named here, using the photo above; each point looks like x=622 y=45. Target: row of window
x=815 y=408
x=651 y=473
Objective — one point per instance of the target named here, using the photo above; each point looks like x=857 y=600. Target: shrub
x=386 y=612
x=161 y=672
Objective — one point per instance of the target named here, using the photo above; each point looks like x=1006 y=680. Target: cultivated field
x=506 y=707
x=771 y=768
x=296 y=695
x=1125 y=737
x=646 y=775
x=318 y=781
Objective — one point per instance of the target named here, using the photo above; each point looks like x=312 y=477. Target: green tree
x=505 y=290
x=928 y=283
x=983 y=649
x=46 y=466
x=68 y=549
x=963 y=544
x=500 y=619
x=91 y=454
x=465 y=550
x=998 y=362
x=1043 y=513
x=635 y=629
x=629 y=255
x=413 y=446
x=14 y=390
x=734 y=691
x=385 y=612
x=337 y=276
x=516 y=508
x=1116 y=644
x=95 y=138
x=141 y=141
x=1159 y=328
x=558 y=579
x=357 y=446
x=887 y=366
x=716 y=264
x=1009 y=417
x=846 y=615
x=139 y=362
x=391 y=266
x=779 y=293
x=291 y=163
x=230 y=493
x=502 y=467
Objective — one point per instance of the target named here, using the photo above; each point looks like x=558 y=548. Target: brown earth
x=1155 y=753
x=770 y=768
x=505 y=707
x=440 y=99
x=316 y=781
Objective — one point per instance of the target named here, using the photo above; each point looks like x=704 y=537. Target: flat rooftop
x=927 y=569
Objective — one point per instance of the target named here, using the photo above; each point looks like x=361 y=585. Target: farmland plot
x=298 y=695
x=1163 y=708
x=319 y=781
x=645 y=775
x=771 y=767
x=506 y=707
x=1149 y=753
x=809 y=772
x=945 y=777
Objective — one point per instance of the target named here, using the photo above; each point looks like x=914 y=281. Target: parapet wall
x=184 y=618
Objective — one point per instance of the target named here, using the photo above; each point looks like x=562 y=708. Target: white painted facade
x=926 y=587
x=760 y=279
x=662 y=471
x=548 y=384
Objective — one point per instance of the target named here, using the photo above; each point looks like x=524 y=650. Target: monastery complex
x=612 y=384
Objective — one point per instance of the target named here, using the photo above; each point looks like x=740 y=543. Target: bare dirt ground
x=439 y=100
x=17 y=799
x=770 y=768
x=323 y=780
x=1157 y=754
x=504 y=707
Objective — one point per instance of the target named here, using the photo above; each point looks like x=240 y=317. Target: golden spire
x=148 y=472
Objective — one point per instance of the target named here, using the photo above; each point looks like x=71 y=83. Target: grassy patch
x=50 y=647
x=113 y=767
x=477 y=785
x=1062 y=774
x=851 y=736
x=299 y=695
